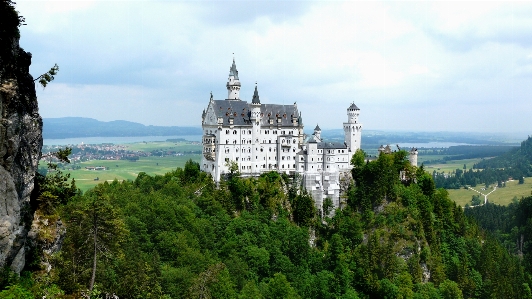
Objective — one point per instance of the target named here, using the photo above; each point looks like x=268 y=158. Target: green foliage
x=48 y=77
x=178 y=235
x=328 y=206
x=53 y=189
x=303 y=209
x=16 y=292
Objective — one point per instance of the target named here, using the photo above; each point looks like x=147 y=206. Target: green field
x=163 y=145
x=126 y=170
x=450 y=166
x=501 y=196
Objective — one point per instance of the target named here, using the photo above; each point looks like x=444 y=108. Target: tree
x=303 y=209
x=358 y=158
x=53 y=188
x=279 y=287
x=48 y=77
x=475 y=200
x=328 y=206
x=96 y=231
x=449 y=290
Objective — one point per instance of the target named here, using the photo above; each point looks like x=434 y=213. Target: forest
x=179 y=235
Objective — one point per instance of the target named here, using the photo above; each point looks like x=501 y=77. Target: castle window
x=226 y=159
x=237 y=158
x=249 y=131
x=226 y=141
x=234 y=132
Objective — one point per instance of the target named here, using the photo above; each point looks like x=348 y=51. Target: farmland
x=153 y=158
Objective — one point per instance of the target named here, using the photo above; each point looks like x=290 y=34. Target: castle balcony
x=209 y=156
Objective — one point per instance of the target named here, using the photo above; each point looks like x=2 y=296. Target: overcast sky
x=422 y=66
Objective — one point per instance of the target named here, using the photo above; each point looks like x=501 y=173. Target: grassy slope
x=502 y=196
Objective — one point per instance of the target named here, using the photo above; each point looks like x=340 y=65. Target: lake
x=117 y=140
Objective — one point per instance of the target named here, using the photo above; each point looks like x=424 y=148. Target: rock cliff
x=20 y=141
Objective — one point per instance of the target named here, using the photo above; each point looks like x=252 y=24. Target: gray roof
x=317 y=128
x=240 y=111
x=332 y=145
x=353 y=107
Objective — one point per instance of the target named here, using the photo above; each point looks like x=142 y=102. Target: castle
x=269 y=137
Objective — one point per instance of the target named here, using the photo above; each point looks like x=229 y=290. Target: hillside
x=515 y=164
x=72 y=127
x=181 y=236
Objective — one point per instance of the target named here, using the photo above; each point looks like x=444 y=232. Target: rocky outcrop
x=20 y=141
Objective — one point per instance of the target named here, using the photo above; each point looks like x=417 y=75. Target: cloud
x=401 y=62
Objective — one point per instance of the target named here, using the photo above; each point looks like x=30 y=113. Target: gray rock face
x=20 y=151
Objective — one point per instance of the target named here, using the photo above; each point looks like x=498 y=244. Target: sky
x=408 y=66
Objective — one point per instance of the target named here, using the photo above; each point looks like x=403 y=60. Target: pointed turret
x=233 y=83
x=233 y=71
x=256 y=99
x=317 y=133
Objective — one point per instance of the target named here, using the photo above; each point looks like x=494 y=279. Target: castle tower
x=255 y=132
x=317 y=133
x=353 y=129
x=413 y=157
x=233 y=83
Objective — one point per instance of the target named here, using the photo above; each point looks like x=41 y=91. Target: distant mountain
x=72 y=127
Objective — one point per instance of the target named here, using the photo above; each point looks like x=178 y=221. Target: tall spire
x=233 y=71
x=255 y=99
x=233 y=83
